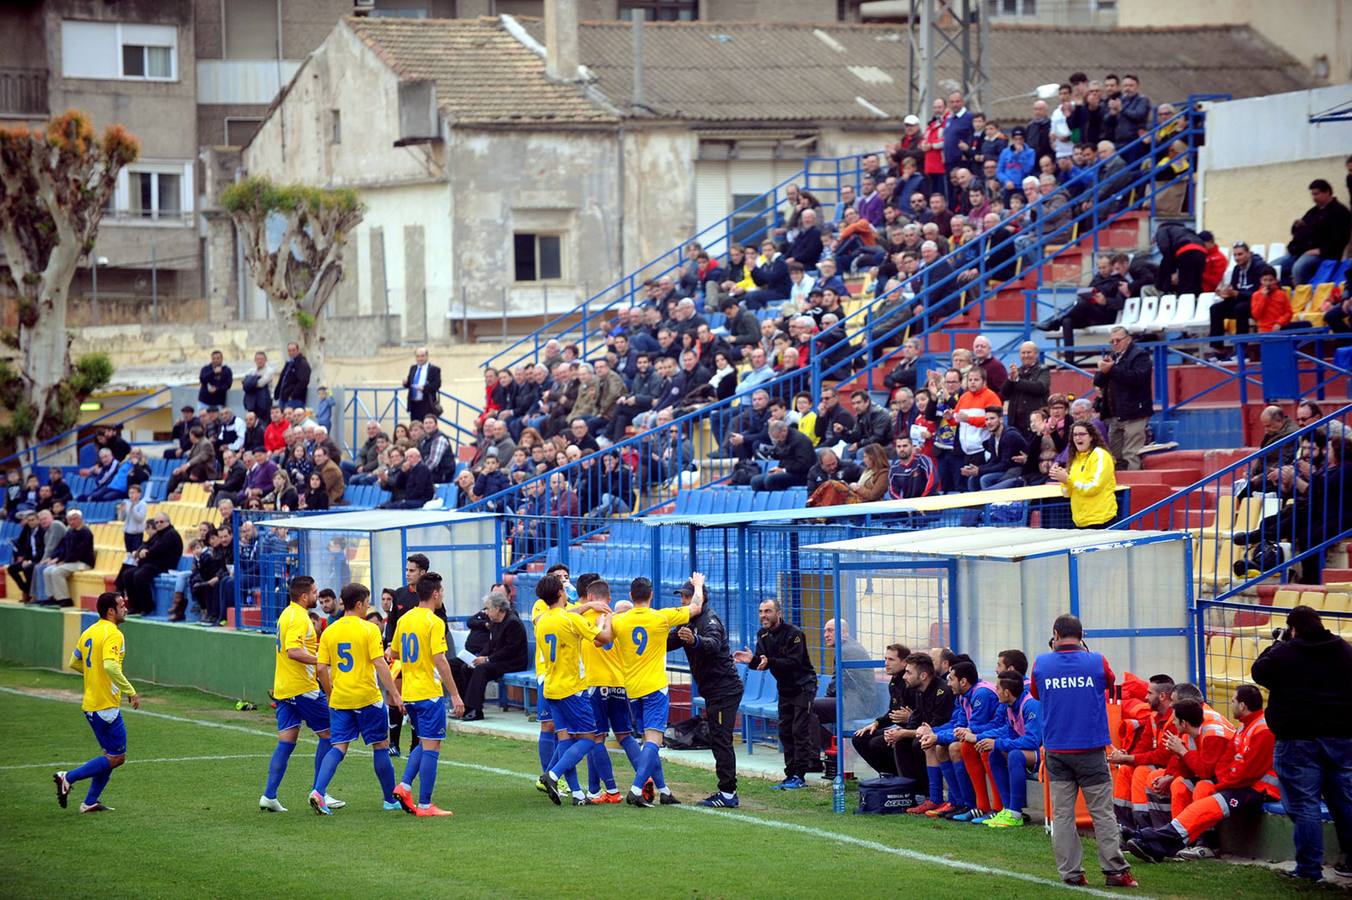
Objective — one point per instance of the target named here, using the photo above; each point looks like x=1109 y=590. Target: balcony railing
x=23 y=92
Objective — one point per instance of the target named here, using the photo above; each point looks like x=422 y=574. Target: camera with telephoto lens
x=1281 y=634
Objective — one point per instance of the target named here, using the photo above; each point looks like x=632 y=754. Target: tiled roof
x=747 y=72
x=483 y=74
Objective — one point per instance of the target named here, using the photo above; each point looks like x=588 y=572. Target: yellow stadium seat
x=1300 y=298
x=1337 y=601
x=1313 y=599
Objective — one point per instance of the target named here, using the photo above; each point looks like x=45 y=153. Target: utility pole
x=946 y=42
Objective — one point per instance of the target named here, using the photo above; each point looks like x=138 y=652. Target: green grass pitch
x=186 y=824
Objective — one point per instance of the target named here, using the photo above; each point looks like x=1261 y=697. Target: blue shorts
x=574 y=714
x=543 y=712
x=651 y=711
x=428 y=718
x=112 y=736
x=311 y=708
x=610 y=709
x=372 y=723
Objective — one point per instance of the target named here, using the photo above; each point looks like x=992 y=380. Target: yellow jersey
x=536 y=611
x=349 y=647
x=561 y=634
x=601 y=664
x=294 y=631
x=641 y=642
x=419 y=637
x=100 y=641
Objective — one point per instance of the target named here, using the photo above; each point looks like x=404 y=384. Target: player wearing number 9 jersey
x=352 y=670
x=640 y=638
x=420 y=646
x=98 y=658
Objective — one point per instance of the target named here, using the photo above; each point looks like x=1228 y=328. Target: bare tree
x=293 y=237
x=54 y=187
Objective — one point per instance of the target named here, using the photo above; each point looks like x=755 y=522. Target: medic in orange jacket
x=1244 y=777
x=1203 y=741
x=1139 y=762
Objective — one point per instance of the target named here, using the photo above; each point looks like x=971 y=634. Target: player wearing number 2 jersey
x=420 y=646
x=296 y=691
x=98 y=658
x=352 y=670
x=640 y=638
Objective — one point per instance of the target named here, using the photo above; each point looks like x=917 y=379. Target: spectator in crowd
x=214 y=380
x=258 y=386
x=159 y=554
x=331 y=475
x=1233 y=297
x=1308 y=673
x=110 y=478
x=1027 y=388
x=1308 y=411
x=932 y=147
x=234 y=472
x=1005 y=452
x=1090 y=480
x=771 y=277
x=982 y=357
x=74 y=554
x=424 y=386
x=416 y=483
x=911 y=474
x=711 y=667
x=1071 y=682
x=200 y=465
x=53 y=532
x=907 y=370
x=293 y=384
x=29 y=550
x=1133 y=119
x=829 y=468
x=794 y=454
x=1319 y=235
x=781 y=648
x=1124 y=377
x=1039 y=131
x=187 y=420
x=870 y=424
x=870 y=741
x=506 y=652
x=1182 y=258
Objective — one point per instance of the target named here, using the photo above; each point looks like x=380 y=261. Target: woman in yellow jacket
x=1090 y=481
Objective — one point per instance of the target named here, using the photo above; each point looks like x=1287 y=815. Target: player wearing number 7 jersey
x=98 y=658
x=352 y=670
x=640 y=638
x=560 y=634
x=420 y=646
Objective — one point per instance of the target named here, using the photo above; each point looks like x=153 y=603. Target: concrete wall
x=1260 y=155
x=659 y=192
x=1307 y=29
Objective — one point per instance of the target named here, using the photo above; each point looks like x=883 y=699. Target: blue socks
x=320 y=753
x=412 y=764
x=1017 y=773
x=549 y=742
x=427 y=773
x=329 y=766
x=1000 y=774
x=599 y=768
x=385 y=772
x=631 y=749
x=571 y=753
x=277 y=768
x=936 y=783
x=98 y=770
x=649 y=765
x=959 y=788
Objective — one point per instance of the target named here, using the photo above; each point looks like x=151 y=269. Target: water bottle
x=838 y=793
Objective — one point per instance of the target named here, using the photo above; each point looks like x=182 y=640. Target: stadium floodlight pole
x=951 y=36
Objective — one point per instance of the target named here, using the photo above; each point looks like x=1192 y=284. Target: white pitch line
x=819 y=833
x=165 y=759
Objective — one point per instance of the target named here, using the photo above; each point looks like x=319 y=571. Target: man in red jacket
x=1244 y=777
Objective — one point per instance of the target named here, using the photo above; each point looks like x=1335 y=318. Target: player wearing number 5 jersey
x=352 y=670
x=560 y=634
x=420 y=646
x=640 y=638
x=294 y=687
x=98 y=658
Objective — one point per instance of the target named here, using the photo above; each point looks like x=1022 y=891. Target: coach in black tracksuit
x=706 y=647
x=782 y=649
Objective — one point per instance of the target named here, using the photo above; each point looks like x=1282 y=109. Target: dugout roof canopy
x=376 y=520
x=997 y=544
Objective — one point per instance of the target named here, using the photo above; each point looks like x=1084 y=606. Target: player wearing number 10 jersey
x=640 y=638
x=420 y=646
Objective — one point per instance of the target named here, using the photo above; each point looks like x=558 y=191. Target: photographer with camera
x=1308 y=672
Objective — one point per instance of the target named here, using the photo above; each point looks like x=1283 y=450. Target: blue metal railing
x=1277 y=495
x=585 y=324
x=389 y=407
x=33 y=457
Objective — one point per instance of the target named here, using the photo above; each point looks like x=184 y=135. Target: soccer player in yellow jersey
x=296 y=690
x=561 y=634
x=640 y=638
x=420 y=646
x=549 y=739
x=352 y=670
x=610 y=703
x=98 y=658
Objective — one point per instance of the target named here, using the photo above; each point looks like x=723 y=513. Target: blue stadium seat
x=743 y=500
x=760 y=500
x=161 y=467
x=685 y=502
